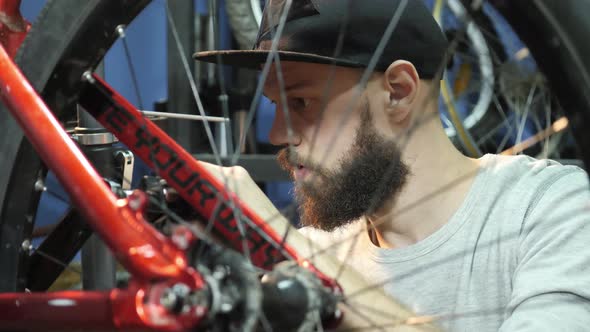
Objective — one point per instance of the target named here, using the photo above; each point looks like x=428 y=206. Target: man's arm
x=375 y=311
x=551 y=284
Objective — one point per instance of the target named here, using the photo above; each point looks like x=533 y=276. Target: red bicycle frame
x=155 y=261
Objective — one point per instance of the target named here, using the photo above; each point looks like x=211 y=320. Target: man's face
x=342 y=164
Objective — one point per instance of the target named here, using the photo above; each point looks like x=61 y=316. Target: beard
x=370 y=174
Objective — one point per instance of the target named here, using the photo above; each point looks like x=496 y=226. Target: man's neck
x=437 y=186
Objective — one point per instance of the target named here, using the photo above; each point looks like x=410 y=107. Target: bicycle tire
x=20 y=154
x=242 y=18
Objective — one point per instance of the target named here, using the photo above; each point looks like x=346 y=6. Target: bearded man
x=491 y=244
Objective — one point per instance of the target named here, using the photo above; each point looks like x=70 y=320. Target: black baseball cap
x=313 y=28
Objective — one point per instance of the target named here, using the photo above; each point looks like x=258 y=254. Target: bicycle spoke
x=121 y=32
x=263 y=76
x=331 y=75
x=186 y=116
x=264 y=322
x=223 y=97
x=555 y=128
x=55 y=260
x=547 y=150
x=217 y=156
x=326 y=91
x=209 y=228
x=386 y=314
x=203 y=235
x=419 y=319
x=65 y=240
x=370 y=67
x=366 y=318
x=350 y=250
x=319 y=325
x=193 y=85
x=527 y=109
x=273 y=57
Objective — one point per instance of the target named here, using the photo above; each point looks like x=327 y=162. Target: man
x=496 y=243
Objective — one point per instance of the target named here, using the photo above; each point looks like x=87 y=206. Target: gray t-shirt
x=514 y=257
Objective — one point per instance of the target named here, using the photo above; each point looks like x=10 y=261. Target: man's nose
x=283 y=132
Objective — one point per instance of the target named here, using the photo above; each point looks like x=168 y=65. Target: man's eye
x=306 y=102
x=299 y=103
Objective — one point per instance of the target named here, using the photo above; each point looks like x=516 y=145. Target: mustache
x=289 y=160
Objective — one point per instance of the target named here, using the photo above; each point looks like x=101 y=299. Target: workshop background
x=162 y=86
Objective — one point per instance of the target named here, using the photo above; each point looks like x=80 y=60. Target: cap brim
x=254 y=59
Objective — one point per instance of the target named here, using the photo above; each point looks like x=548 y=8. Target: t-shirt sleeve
x=551 y=283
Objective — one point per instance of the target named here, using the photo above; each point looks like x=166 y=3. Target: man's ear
x=401 y=80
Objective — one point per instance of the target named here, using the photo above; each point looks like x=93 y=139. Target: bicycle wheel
x=57 y=77
x=245 y=17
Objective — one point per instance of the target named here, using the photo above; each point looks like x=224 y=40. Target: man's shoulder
x=531 y=178
x=523 y=165
x=525 y=191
